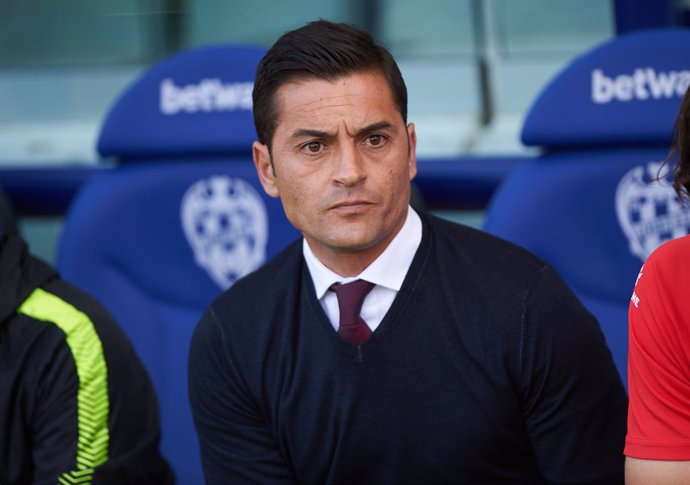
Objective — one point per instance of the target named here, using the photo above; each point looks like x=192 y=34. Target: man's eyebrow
x=379 y=125
x=309 y=133
x=306 y=133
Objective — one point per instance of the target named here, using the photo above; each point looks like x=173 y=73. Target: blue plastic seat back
x=180 y=218
x=598 y=200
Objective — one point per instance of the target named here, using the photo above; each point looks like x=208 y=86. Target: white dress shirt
x=387 y=272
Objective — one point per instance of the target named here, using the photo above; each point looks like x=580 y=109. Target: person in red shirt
x=658 y=441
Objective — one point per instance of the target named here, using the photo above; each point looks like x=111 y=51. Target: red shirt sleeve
x=659 y=356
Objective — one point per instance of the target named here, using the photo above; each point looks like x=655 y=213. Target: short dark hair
x=319 y=50
x=680 y=149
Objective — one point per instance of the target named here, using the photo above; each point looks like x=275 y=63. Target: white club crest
x=225 y=222
x=648 y=209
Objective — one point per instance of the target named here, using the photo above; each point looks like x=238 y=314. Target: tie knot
x=350 y=298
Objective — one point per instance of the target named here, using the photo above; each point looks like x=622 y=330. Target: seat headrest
x=627 y=90
x=198 y=102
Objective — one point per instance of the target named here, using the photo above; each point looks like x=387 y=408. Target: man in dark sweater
x=386 y=346
x=76 y=405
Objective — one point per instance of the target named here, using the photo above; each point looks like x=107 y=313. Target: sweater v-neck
x=360 y=353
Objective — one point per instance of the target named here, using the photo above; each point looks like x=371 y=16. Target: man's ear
x=412 y=151
x=264 y=168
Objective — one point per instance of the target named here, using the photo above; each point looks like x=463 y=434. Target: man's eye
x=312 y=147
x=375 y=140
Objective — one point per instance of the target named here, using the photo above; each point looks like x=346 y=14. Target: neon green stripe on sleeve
x=93 y=405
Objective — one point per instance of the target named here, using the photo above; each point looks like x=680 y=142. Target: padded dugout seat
x=591 y=204
x=181 y=217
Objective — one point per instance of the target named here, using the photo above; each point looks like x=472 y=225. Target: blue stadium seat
x=595 y=204
x=180 y=217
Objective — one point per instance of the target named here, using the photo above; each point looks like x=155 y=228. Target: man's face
x=341 y=162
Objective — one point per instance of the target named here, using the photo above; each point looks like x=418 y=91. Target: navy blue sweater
x=486 y=369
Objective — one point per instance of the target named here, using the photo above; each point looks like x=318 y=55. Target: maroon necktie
x=352 y=328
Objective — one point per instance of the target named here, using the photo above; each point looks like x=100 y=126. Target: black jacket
x=75 y=402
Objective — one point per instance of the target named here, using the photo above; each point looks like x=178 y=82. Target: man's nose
x=349 y=165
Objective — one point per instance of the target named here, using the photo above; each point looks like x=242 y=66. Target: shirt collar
x=388 y=270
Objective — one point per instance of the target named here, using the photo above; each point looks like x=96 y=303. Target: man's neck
x=351 y=263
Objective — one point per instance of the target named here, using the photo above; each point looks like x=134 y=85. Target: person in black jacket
x=76 y=405
x=388 y=346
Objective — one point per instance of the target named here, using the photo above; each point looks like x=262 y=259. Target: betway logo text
x=642 y=84
x=209 y=95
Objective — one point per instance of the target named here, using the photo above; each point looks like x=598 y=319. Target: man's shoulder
x=53 y=326
x=254 y=309
x=80 y=300
x=481 y=247
x=667 y=270
x=76 y=314
x=267 y=281
x=672 y=253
